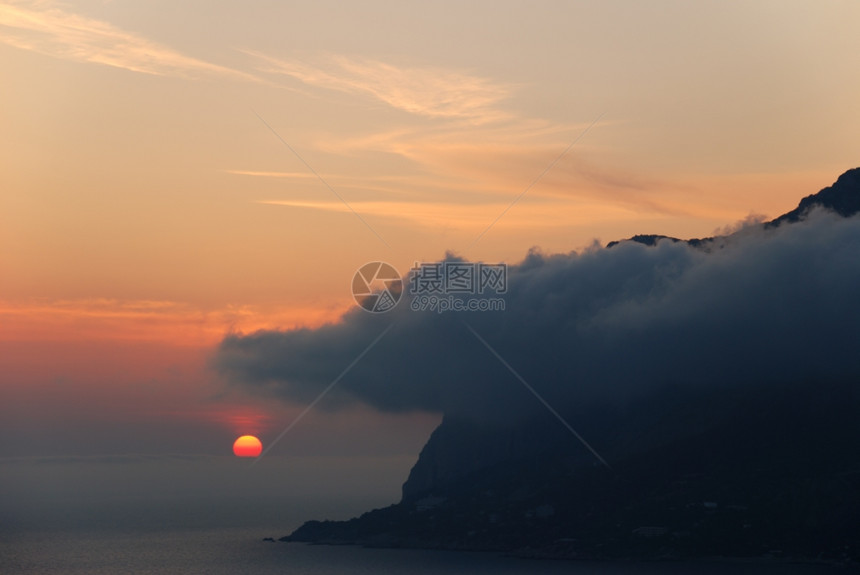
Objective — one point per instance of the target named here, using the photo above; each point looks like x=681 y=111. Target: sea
x=128 y=516
x=243 y=551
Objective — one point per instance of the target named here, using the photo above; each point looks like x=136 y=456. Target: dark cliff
x=843 y=198
x=747 y=469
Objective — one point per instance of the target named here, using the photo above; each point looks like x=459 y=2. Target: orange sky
x=145 y=200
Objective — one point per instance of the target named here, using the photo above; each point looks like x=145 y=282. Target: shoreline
x=543 y=555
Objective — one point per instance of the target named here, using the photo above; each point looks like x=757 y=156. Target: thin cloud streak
x=44 y=28
x=145 y=320
x=490 y=160
x=264 y=174
x=475 y=146
x=534 y=182
x=431 y=92
x=472 y=216
x=322 y=180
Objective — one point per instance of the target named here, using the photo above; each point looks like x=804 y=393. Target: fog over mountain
x=769 y=303
x=713 y=385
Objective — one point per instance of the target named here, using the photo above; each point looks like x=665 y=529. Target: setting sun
x=247 y=446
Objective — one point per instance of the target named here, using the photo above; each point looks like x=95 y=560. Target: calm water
x=192 y=516
x=231 y=551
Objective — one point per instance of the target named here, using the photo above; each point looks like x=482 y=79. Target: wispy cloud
x=264 y=174
x=45 y=28
x=505 y=158
x=474 y=144
x=474 y=216
x=144 y=320
x=424 y=91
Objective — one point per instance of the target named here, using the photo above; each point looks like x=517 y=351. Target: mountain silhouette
x=843 y=198
x=746 y=469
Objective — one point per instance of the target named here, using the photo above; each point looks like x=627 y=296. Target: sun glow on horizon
x=247 y=446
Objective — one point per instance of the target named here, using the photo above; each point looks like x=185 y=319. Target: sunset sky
x=171 y=172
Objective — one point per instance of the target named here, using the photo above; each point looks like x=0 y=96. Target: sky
x=178 y=173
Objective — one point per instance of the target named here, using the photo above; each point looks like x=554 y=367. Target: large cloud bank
x=770 y=306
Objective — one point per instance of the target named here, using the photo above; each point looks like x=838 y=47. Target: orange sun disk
x=247 y=446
